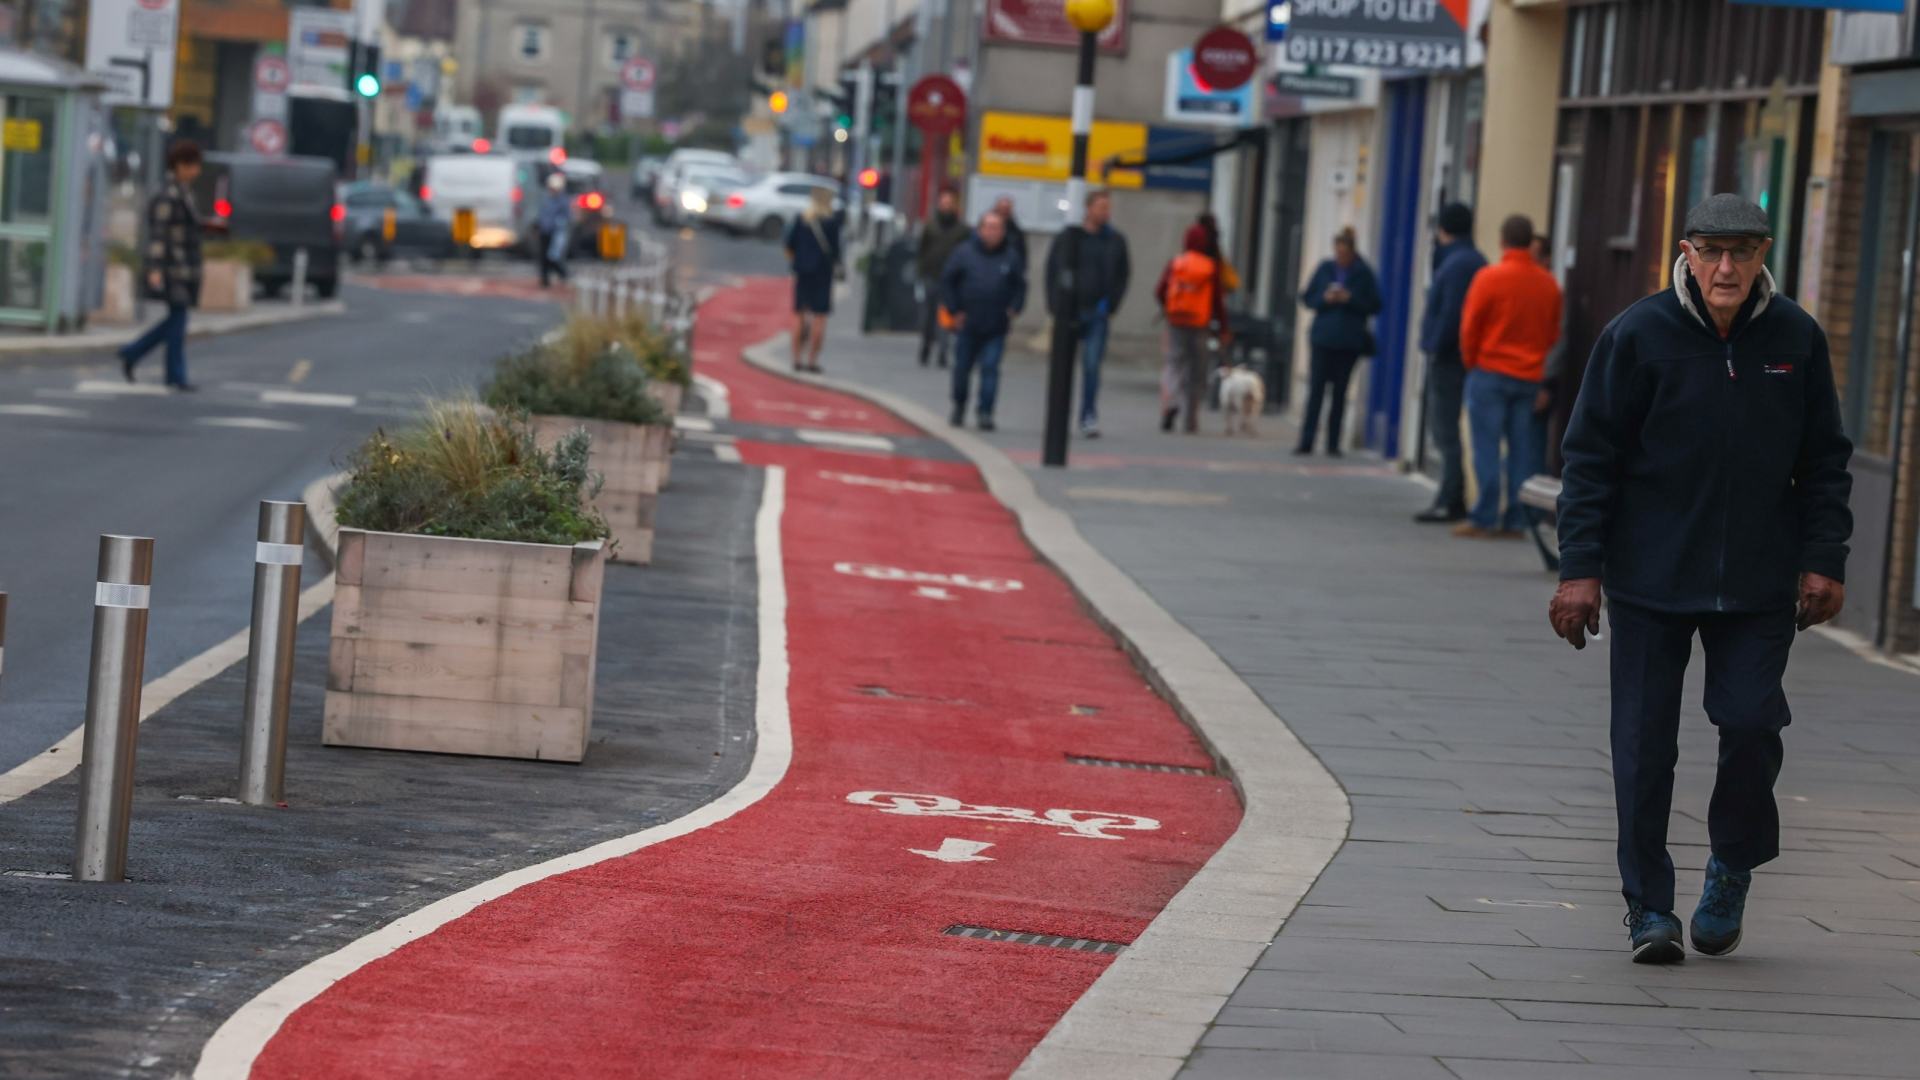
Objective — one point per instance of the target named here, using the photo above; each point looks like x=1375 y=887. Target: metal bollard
x=276 y=610
x=3 y=633
x=113 y=708
x=299 y=286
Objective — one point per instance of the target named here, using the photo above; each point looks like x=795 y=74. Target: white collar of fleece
x=1682 y=274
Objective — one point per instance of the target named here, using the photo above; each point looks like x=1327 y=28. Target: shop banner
x=1894 y=6
x=1044 y=22
x=319 y=51
x=1032 y=147
x=1195 y=175
x=1421 y=35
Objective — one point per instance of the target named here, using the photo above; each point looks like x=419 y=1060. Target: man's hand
x=1543 y=400
x=156 y=280
x=1821 y=598
x=1575 y=611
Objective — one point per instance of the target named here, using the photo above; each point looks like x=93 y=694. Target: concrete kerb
x=322 y=520
x=15 y=349
x=1295 y=814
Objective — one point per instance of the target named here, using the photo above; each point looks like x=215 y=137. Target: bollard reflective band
x=111 y=594
x=278 y=554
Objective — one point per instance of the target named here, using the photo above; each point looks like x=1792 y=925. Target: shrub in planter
x=565 y=390
x=226 y=273
x=467 y=598
x=668 y=371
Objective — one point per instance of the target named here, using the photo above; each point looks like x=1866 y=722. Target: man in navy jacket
x=984 y=286
x=1454 y=265
x=1705 y=491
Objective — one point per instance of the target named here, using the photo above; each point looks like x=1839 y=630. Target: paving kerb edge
x=1295 y=814
x=24 y=349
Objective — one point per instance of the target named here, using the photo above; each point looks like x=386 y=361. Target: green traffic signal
x=367 y=85
x=843 y=120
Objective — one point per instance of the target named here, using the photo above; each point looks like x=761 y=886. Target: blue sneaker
x=1655 y=936
x=1716 y=922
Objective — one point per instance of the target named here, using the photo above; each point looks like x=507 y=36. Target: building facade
x=564 y=53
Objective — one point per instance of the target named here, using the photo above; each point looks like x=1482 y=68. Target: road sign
x=1223 y=59
x=319 y=52
x=267 y=137
x=637 y=74
x=271 y=77
x=131 y=46
x=1190 y=102
x=936 y=105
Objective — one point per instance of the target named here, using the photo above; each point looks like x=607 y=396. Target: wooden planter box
x=226 y=285
x=116 y=301
x=463 y=646
x=633 y=459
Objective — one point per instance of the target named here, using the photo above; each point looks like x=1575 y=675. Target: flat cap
x=1727 y=215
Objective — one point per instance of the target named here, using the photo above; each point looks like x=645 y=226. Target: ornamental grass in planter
x=467 y=591
x=668 y=370
x=586 y=382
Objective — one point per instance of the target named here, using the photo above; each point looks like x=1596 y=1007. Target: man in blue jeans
x=984 y=286
x=1509 y=324
x=1086 y=279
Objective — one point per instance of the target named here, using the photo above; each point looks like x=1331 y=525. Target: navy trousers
x=1746 y=655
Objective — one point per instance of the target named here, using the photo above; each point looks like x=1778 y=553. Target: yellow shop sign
x=1034 y=147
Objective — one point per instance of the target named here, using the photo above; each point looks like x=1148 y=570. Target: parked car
x=768 y=205
x=667 y=203
x=416 y=231
x=646 y=172
x=496 y=187
x=286 y=203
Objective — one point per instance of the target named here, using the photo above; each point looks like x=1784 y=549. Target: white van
x=536 y=132
x=455 y=127
x=497 y=188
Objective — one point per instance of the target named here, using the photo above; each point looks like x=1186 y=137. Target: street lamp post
x=1089 y=17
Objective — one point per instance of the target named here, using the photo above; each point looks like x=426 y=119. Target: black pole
x=1063 y=290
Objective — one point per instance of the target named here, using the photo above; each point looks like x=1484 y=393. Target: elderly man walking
x=1705 y=492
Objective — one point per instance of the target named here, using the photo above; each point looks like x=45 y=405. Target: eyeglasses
x=1711 y=253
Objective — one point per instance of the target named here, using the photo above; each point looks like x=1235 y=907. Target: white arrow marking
x=933 y=592
x=953 y=850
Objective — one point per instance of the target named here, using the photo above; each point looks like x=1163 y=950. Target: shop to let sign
x=1041 y=147
x=1424 y=35
x=21 y=135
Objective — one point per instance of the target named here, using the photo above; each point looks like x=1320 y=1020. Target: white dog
x=1242 y=395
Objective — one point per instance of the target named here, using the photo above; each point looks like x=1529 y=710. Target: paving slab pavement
x=1470 y=925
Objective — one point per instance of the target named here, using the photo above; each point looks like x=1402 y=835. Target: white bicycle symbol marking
x=891 y=486
x=928 y=577
x=1092 y=824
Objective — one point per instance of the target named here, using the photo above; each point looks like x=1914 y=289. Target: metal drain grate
x=1144 y=766
x=1021 y=937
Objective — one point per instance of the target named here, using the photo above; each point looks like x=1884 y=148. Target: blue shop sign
x=1195 y=175
x=1279 y=14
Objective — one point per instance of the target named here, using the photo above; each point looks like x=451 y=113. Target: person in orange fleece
x=1509 y=325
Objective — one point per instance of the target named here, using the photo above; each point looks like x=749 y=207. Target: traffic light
x=777 y=101
x=869 y=177
x=363 y=74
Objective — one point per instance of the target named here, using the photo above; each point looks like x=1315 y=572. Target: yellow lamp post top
x=1089 y=16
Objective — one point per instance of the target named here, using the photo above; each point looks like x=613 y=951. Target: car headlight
x=693 y=202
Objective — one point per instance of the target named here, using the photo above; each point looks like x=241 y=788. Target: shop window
x=530 y=42
x=1888 y=232
x=622 y=46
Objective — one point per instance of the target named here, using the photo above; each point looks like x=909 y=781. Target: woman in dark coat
x=813 y=247
x=172 y=266
x=1343 y=296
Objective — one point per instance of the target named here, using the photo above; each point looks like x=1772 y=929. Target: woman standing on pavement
x=173 y=266
x=813 y=247
x=1343 y=295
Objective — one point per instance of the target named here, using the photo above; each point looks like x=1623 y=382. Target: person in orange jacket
x=1509 y=325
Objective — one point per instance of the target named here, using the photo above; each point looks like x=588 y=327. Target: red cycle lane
x=941 y=680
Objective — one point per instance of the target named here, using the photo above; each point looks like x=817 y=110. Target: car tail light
x=222 y=208
x=557 y=155
x=516 y=193
x=482 y=146
x=426 y=193
x=592 y=200
x=339 y=212
x=736 y=200
x=339 y=216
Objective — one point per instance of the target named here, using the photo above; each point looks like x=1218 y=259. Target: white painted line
x=727 y=452
x=953 y=849
x=230 y=1054
x=719 y=400
x=845 y=438
x=692 y=423
x=933 y=592
x=123 y=389
x=56 y=411
x=64 y=756
x=254 y=423
x=308 y=397
x=891 y=486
